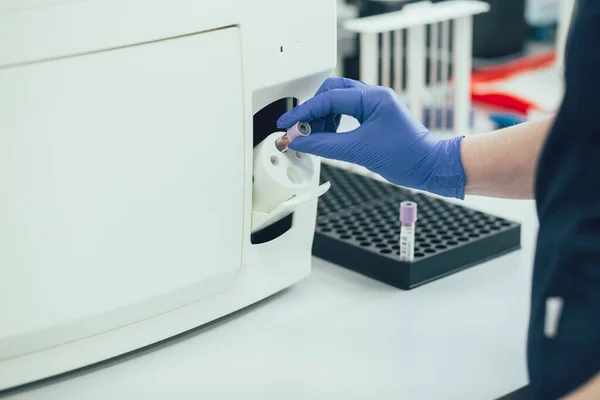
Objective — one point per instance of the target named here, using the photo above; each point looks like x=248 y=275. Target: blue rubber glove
x=389 y=141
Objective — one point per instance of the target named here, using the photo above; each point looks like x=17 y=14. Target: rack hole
x=429 y=251
x=419 y=254
x=440 y=247
x=452 y=243
x=381 y=245
x=365 y=244
x=386 y=251
x=463 y=239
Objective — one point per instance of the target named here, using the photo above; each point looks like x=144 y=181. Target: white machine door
x=121 y=186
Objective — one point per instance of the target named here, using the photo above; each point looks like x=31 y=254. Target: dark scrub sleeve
x=564 y=354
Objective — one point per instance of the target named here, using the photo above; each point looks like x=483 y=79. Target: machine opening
x=265 y=120
x=272 y=231
x=265 y=123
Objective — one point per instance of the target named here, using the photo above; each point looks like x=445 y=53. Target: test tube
x=408 y=219
x=299 y=129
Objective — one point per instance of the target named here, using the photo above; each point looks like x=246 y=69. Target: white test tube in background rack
x=416 y=58
x=434 y=51
x=462 y=62
x=386 y=54
x=444 y=86
x=408 y=220
x=398 y=60
x=411 y=21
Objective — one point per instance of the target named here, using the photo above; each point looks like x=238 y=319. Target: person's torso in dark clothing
x=567 y=263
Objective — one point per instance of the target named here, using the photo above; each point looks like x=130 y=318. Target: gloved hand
x=389 y=141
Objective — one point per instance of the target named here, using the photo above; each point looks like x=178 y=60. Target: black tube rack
x=358 y=228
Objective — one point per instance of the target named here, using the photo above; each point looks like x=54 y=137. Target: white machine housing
x=126 y=163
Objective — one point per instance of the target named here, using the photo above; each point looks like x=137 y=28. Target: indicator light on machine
x=300 y=129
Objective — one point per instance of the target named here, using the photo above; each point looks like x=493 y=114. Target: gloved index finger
x=336 y=101
x=331 y=122
x=338 y=83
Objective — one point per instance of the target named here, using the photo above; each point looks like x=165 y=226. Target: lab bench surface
x=340 y=335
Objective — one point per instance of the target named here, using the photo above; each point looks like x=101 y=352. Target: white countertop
x=339 y=335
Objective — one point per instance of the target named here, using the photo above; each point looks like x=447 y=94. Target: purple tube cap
x=408 y=212
x=299 y=129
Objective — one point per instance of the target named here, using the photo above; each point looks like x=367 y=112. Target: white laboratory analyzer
x=142 y=190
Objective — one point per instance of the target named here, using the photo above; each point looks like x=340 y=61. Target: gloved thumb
x=321 y=144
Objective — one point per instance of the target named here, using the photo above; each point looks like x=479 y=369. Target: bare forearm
x=502 y=163
x=589 y=391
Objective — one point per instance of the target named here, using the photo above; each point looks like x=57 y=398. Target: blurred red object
x=482 y=82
